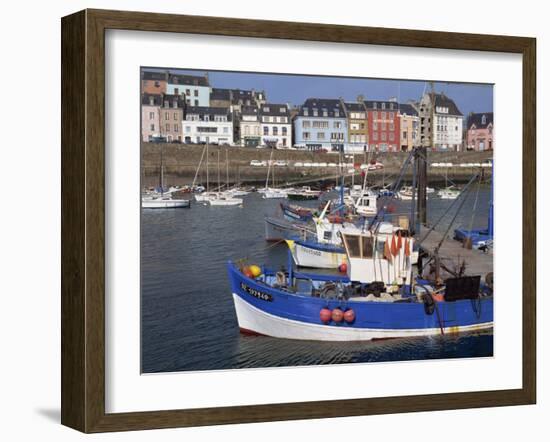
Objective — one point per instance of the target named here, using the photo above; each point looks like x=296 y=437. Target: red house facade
x=383 y=121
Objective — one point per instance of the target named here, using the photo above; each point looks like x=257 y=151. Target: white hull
x=273 y=195
x=163 y=203
x=252 y=319
x=226 y=202
x=319 y=259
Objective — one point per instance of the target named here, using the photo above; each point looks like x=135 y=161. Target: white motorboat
x=166 y=202
x=448 y=193
x=223 y=199
x=274 y=194
x=406 y=193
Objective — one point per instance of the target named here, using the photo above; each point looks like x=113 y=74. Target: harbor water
x=188 y=321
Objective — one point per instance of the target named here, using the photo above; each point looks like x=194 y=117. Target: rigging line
x=430 y=230
x=475 y=205
x=454 y=217
x=394 y=190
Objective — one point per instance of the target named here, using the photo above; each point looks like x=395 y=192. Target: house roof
x=441 y=100
x=329 y=104
x=220 y=94
x=406 y=108
x=377 y=105
x=479 y=121
x=274 y=109
x=249 y=110
x=157 y=76
x=201 y=111
x=146 y=99
x=191 y=80
x=355 y=107
x=171 y=98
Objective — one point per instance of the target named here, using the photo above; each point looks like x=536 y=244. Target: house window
x=157 y=83
x=207 y=118
x=284 y=131
x=196 y=102
x=383 y=115
x=284 y=141
x=152 y=127
x=187 y=128
x=374 y=105
x=196 y=93
x=336 y=113
x=306 y=123
x=392 y=126
x=151 y=101
x=225 y=130
x=168 y=128
x=375 y=136
x=392 y=136
x=315 y=112
x=391 y=115
x=306 y=135
x=175 y=116
x=176 y=128
x=337 y=125
x=325 y=113
x=187 y=92
x=375 y=115
x=404 y=134
x=175 y=104
x=151 y=115
x=384 y=136
x=383 y=105
x=375 y=126
x=176 y=91
x=320 y=135
x=266 y=130
x=306 y=111
x=275 y=130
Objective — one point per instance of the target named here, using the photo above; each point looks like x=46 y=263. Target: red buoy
x=343 y=268
x=324 y=315
x=349 y=316
x=337 y=315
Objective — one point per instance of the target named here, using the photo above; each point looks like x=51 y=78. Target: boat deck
x=452 y=253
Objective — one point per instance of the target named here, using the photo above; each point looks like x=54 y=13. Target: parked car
x=280 y=163
x=298 y=164
x=256 y=163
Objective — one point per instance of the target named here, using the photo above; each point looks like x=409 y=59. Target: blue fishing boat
x=293 y=212
x=378 y=298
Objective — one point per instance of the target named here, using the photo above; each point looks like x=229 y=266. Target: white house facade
x=275 y=125
x=250 y=127
x=208 y=125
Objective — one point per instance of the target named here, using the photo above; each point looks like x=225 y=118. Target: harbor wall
x=181 y=161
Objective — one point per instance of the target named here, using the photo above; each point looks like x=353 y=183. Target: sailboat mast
x=226 y=169
x=207 y=172
x=218 y=169
x=162 y=170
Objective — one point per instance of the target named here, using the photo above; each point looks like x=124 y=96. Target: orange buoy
x=337 y=315
x=255 y=270
x=343 y=268
x=248 y=273
x=349 y=316
x=325 y=315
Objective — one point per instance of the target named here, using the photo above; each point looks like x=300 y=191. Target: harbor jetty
x=249 y=165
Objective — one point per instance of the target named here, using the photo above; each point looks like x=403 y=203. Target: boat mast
x=268 y=170
x=207 y=171
x=218 y=188
x=161 y=170
x=226 y=169
x=198 y=168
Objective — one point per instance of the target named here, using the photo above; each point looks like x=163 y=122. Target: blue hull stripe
x=376 y=315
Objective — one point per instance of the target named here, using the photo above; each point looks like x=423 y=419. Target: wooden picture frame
x=83 y=220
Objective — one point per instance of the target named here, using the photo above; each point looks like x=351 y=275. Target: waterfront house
x=153 y=82
x=383 y=125
x=440 y=122
x=171 y=116
x=150 y=116
x=204 y=124
x=249 y=126
x=220 y=97
x=275 y=125
x=358 y=133
x=480 y=131
x=409 y=126
x=321 y=123
x=194 y=89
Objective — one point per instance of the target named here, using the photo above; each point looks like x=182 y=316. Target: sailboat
x=207 y=195
x=449 y=192
x=272 y=192
x=162 y=199
x=224 y=199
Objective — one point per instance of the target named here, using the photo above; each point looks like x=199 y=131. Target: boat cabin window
x=327 y=236
x=359 y=246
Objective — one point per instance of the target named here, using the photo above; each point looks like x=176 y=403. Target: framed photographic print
x=270 y=220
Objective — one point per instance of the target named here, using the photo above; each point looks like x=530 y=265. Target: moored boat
x=378 y=298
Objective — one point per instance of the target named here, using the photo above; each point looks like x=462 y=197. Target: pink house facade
x=150 y=116
x=480 y=134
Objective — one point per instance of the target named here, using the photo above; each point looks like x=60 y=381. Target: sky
x=295 y=89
